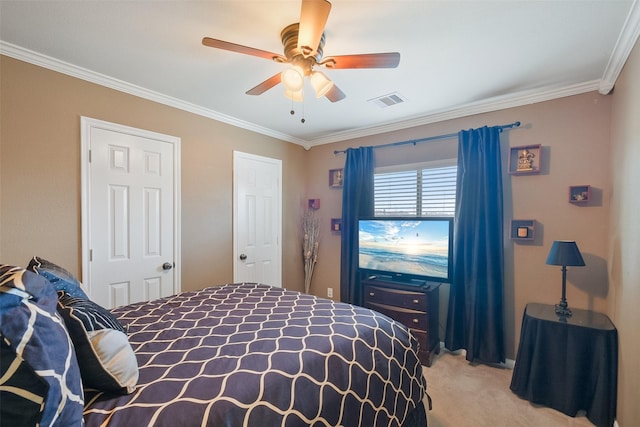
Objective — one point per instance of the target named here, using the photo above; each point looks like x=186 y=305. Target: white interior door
x=131 y=214
x=257 y=203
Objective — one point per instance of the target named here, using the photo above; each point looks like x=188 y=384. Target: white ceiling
x=457 y=57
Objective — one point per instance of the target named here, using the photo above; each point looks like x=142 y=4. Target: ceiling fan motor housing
x=294 y=55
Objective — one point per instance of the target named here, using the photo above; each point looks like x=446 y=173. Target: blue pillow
x=35 y=340
x=60 y=278
x=22 y=393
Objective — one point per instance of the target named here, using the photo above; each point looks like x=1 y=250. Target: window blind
x=422 y=191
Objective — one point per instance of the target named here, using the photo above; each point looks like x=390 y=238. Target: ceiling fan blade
x=335 y=94
x=313 y=18
x=233 y=47
x=265 y=85
x=367 y=60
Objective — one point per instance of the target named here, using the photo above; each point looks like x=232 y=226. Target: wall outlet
x=330 y=292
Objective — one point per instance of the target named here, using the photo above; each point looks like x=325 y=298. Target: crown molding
x=494 y=104
x=625 y=43
x=63 y=67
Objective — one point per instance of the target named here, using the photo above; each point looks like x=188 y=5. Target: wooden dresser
x=414 y=305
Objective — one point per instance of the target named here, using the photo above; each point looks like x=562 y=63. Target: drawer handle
x=372 y=294
x=416 y=321
x=415 y=301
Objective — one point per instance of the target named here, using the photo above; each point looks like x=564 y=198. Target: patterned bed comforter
x=255 y=355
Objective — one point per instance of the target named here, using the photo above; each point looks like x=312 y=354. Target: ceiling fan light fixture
x=303 y=43
x=294 y=95
x=321 y=83
x=293 y=78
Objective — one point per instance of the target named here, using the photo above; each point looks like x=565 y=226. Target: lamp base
x=563 y=310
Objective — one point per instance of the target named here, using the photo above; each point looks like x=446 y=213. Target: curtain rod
x=430 y=138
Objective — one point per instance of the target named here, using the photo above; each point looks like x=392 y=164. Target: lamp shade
x=296 y=96
x=321 y=83
x=565 y=252
x=293 y=78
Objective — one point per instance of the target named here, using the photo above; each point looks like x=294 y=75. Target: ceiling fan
x=303 y=44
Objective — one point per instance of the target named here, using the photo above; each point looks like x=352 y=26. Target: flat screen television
x=406 y=249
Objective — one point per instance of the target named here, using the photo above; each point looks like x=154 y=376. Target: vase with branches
x=310 y=245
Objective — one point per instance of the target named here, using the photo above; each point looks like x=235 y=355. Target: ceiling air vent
x=388 y=100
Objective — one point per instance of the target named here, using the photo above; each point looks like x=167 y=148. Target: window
x=416 y=190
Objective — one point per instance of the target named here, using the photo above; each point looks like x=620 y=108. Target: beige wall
x=624 y=236
x=40 y=173
x=40 y=191
x=574 y=133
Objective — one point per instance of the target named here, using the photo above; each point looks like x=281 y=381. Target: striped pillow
x=106 y=359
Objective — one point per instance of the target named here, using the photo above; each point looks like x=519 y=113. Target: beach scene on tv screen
x=405 y=246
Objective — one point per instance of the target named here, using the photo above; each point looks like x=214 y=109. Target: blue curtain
x=475 y=316
x=357 y=202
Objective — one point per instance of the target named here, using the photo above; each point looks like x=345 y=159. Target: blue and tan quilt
x=256 y=355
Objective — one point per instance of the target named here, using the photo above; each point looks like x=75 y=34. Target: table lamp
x=564 y=253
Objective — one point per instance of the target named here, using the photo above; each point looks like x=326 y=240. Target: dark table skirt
x=568 y=365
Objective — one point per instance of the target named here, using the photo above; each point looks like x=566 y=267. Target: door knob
x=167 y=266
x=243 y=257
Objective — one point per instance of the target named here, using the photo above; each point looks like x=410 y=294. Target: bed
x=256 y=355
x=251 y=354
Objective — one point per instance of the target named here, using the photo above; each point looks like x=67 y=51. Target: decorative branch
x=310 y=244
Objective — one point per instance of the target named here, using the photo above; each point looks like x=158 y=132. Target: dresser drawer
x=415 y=305
x=412 y=318
x=396 y=297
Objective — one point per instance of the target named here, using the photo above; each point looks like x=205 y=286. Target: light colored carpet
x=477 y=395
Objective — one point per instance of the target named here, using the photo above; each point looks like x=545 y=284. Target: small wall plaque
x=523 y=229
x=579 y=193
x=336 y=177
x=526 y=159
